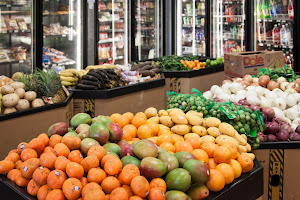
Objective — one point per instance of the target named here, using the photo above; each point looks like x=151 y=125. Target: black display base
x=118 y=91
x=280 y=145
x=249 y=186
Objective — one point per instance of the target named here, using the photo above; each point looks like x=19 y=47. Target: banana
x=69 y=79
x=70 y=70
x=66 y=83
x=67 y=74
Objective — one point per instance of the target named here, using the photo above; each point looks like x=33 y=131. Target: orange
x=232 y=149
x=109 y=184
x=113 y=166
x=75 y=156
x=37 y=144
x=28 y=153
x=135 y=198
x=211 y=163
x=164 y=131
x=135 y=139
x=55 y=194
x=106 y=158
x=95 y=195
x=119 y=194
x=168 y=146
x=141 y=114
x=144 y=131
x=126 y=136
x=209 y=148
x=115 y=116
x=70 y=142
x=246 y=162
x=155 y=128
x=140 y=186
x=177 y=138
x=130 y=129
x=222 y=155
x=237 y=168
x=122 y=121
x=98 y=151
x=156 y=194
x=216 y=181
x=139 y=121
x=227 y=172
x=33 y=188
x=89 y=162
x=164 y=138
x=160 y=183
x=61 y=149
x=129 y=116
x=195 y=142
x=128 y=173
x=128 y=190
x=201 y=155
x=72 y=188
x=74 y=170
x=89 y=187
x=184 y=146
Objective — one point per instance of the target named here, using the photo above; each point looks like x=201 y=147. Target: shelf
x=187 y=15
x=13 y=62
x=234 y=23
x=276 y=46
x=115 y=10
x=110 y=30
x=15 y=5
x=111 y=20
x=57 y=14
x=58 y=36
x=117 y=58
x=275 y=20
x=15 y=31
x=59 y=64
x=231 y=39
x=110 y=40
x=231 y=2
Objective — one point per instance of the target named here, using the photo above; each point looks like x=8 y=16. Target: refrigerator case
x=16 y=33
x=274 y=25
x=113 y=32
x=191 y=27
x=147 y=30
x=227 y=27
x=62 y=34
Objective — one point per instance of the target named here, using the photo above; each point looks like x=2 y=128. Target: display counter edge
x=280 y=145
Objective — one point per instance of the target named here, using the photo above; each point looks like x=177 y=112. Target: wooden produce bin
x=131 y=98
x=25 y=125
x=281 y=162
x=202 y=80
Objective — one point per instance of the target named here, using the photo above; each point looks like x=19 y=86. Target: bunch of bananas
x=70 y=77
x=100 y=67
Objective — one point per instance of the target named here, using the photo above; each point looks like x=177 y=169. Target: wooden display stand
x=26 y=125
x=280 y=161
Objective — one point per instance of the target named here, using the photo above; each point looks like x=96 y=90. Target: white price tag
x=91 y=3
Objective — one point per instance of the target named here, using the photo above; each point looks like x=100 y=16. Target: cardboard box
x=281 y=173
x=25 y=128
x=240 y=64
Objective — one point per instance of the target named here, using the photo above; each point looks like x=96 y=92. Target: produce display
x=31 y=91
x=70 y=77
x=286 y=72
x=150 y=155
x=186 y=63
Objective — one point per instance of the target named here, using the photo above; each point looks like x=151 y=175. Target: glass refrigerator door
x=147 y=31
x=228 y=27
x=16 y=32
x=62 y=34
x=274 y=27
x=113 y=32
x=191 y=39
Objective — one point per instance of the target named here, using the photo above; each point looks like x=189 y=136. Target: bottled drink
x=288 y=34
x=267 y=9
x=203 y=9
x=235 y=32
x=276 y=35
x=261 y=32
x=261 y=9
x=283 y=36
x=273 y=9
x=288 y=62
x=291 y=10
x=278 y=7
x=292 y=59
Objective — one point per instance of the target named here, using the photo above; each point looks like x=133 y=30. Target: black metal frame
x=296 y=37
x=249 y=26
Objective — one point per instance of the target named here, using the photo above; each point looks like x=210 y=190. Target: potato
x=162 y=113
x=153 y=120
x=242 y=149
x=179 y=118
x=251 y=155
x=180 y=129
x=213 y=131
x=37 y=103
x=212 y=122
x=240 y=139
x=9 y=110
x=194 y=119
x=195 y=113
x=23 y=104
x=10 y=100
x=30 y=96
x=166 y=120
x=190 y=135
x=207 y=138
x=20 y=92
x=225 y=138
x=150 y=112
x=174 y=109
x=244 y=136
x=200 y=130
x=161 y=126
x=17 y=85
x=248 y=147
x=227 y=129
x=7 y=89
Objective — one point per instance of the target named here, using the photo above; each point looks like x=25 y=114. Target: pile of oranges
x=193 y=65
x=54 y=169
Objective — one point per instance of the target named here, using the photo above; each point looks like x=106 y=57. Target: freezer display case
x=16 y=33
x=227 y=27
x=62 y=37
x=147 y=30
x=191 y=27
x=113 y=32
x=274 y=24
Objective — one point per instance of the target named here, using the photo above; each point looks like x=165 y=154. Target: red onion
x=283 y=136
x=298 y=129
x=269 y=112
x=278 y=120
x=285 y=123
x=271 y=138
x=254 y=107
x=295 y=136
x=262 y=137
x=272 y=128
x=244 y=102
x=286 y=128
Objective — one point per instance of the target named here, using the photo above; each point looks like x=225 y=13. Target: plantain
x=69 y=79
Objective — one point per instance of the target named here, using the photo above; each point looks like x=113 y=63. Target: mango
x=99 y=132
x=176 y=195
x=126 y=150
x=183 y=156
x=115 y=132
x=145 y=148
x=180 y=129
x=86 y=144
x=166 y=120
x=101 y=119
x=73 y=134
x=194 y=119
x=83 y=134
x=112 y=147
x=198 y=170
x=60 y=128
x=179 y=118
x=82 y=127
x=198 y=192
x=152 y=168
x=130 y=160
x=169 y=160
x=80 y=118
x=178 y=179
x=150 y=112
